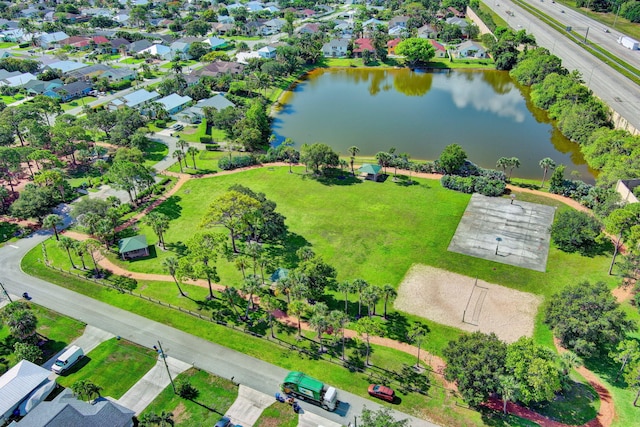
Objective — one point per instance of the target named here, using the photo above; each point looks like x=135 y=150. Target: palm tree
x=182 y=144
x=345 y=287
x=546 y=164
x=388 y=293
x=416 y=335
x=250 y=286
x=92 y=245
x=514 y=162
x=67 y=244
x=289 y=151
x=178 y=154
x=231 y=295
x=353 y=151
x=92 y=390
x=569 y=360
x=171 y=266
x=297 y=309
x=159 y=222
x=337 y=320
x=283 y=286
x=509 y=389
x=503 y=162
x=53 y=221
x=80 y=250
x=176 y=65
x=193 y=151
x=371 y=296
x=269 y=305
x=366 y=327
x=359 y=285
x=319 y=320
x=22 y=324
x=242 y=262
x=299 y=284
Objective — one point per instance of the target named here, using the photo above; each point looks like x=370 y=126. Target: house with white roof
x=51 y=40
x=18 y=80
x=254 y=6
x=160 y=50
x=174 y=103
x=18 y=385
x=470 y=49
x=65 y=66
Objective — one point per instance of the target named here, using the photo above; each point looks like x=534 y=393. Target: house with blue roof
x=65 y=66
x=159 y=50
x=19 y=80
x=137 y=99
x=174 y=103
x=195 y=114
x=216 y=42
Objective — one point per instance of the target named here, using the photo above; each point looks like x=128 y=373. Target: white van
x=67 y=359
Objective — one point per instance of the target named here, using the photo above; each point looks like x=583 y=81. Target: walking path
x=606 y=413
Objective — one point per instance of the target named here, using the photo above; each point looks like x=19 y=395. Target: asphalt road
x=211 y=357
x=620 y=93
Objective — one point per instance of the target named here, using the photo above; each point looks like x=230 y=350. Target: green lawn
x=77 y=103
x=11 y=99
x=132 y=61
x=155 y=153
x=278 y=414
x=206 y=163
x=56 y=329
x=215 y=393
x=7 y=45
x=115 y=365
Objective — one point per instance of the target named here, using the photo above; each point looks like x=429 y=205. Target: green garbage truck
x=309 y=389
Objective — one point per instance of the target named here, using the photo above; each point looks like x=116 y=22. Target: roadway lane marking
x=14 y=246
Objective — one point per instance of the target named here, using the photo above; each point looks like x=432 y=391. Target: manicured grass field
x=115 y=365
x=132 y=61
x=155 y=153
x=214 y=392
x=206 y=163
x=278 y=414
x=374 y=231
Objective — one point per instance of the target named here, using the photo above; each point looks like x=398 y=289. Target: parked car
x=382 y=392
x=223 y=422
x=177 y=126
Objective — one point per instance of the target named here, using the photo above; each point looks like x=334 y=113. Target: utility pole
x=164 y=358
x=5 y=292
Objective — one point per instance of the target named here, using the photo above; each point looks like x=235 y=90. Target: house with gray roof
x=137 y=99
x=139 y=46
x=67 y=411
x=180 y=48
x=470 y=49
x=216 y=42
x=19 y=80
x=51 y=40
x=336 y=48
x=457 y=21
x=38 y=87
x=159 y=50
x=18 y=384
x=195 y=113
x=120 y=74
x=70 y=91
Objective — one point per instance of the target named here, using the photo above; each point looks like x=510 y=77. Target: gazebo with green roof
x=133 y=247
x=372 y=171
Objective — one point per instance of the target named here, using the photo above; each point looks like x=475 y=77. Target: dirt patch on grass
x=461 y=301
x=180 y=413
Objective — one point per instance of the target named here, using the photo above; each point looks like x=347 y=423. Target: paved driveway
x=138 y=397
x=248 y=406
x=90 y=339
x=309 y=419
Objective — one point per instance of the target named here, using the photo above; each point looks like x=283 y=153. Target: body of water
x=420 y=113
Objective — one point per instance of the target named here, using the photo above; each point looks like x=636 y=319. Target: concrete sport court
x=506 y=231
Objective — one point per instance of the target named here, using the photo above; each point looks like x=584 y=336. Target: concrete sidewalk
x=308 y=419
x=138 y=397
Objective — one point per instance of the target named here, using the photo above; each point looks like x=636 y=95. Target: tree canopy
x=416 y=50
x=586 y=318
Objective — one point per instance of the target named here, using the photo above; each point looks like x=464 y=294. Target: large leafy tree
x=416 y=50
x=380 y=418
x=575 y=231
x=27 y=351
x=476 y=362
x=231 y=211
x=620 y=222
x=264 y=224
x=535 y=369
x=22 y=324
x=319 y=157
x=452 y=158
x=319 y=275
x=366 y=327
x=586 y=318
x=159 y=222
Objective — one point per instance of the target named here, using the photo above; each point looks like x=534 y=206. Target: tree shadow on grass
x=334 y=177
x=397 y=327
x=404 y=181
x=170 y=207
x=573 y=407
x=178 y=247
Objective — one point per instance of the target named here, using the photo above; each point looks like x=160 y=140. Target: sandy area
x=446 y=297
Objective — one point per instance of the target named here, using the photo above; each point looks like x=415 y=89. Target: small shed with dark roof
x=133 y=247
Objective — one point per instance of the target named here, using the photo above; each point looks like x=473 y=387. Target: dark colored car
x=382 y=392
x=223 y=422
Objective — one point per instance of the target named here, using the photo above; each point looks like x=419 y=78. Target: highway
x=203 y=354
x=620 y=93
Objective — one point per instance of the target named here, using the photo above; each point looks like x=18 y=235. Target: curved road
x=620 y=93
x=203 y=354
